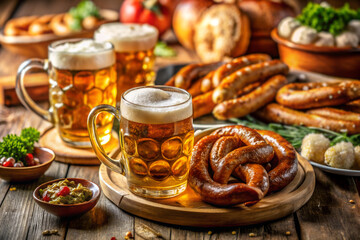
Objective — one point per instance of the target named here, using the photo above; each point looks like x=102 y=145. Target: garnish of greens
x=84 y=9
x=18 y=146
x=295 y=134
x=163 y=50
x=327 y=18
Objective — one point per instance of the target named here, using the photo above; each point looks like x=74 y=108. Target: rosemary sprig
x=294 y=134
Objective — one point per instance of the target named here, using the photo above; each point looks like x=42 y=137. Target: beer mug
x=134 y=47
x=82 y=75
x=156 y=139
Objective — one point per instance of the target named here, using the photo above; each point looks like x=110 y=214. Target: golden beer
x=157 y=155
x=134 y=46
x=135 y=69
x=73 y=93
x=82 y=76
x=156 y=139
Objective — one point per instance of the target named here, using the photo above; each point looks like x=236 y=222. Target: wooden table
x=328 y=214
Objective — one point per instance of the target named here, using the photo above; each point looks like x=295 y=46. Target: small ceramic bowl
x=23 y=174
x=334 y=61
x=68 y=210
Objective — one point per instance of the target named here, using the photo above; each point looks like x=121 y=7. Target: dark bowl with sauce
x=68 y=210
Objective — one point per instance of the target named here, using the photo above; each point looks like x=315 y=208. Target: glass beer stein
x=134 y=47
x=156 y=139
x=82 y=75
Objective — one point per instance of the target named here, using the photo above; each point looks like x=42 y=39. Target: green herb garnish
x=163 y=50
x=84 y=9
x=295 y=134
x=327 y=18
x=18 y=146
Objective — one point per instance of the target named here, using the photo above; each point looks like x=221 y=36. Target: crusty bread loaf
x=222 y=31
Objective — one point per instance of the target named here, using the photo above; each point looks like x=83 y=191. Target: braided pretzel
x=311 y=95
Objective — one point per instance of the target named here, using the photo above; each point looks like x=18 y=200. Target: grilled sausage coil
x=240 y=151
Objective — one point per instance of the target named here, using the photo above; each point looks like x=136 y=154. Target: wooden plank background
x=328 y=214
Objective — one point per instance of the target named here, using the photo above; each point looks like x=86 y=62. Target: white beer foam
x=155 y=106
x=128 y=37
x=86 y=54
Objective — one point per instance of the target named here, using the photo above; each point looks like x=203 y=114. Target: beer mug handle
x=21 y=92
x=94 y=139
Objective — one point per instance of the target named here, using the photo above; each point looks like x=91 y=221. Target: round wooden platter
x=187 y=209
x=81 y=156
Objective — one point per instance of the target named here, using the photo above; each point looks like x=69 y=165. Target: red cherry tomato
x=45 y=197
x=8 y=164
x=146 y=11
x=63 y=191
x=29 y=159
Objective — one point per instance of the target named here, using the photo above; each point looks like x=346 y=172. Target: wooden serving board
x=187 y=209
x=82 y=156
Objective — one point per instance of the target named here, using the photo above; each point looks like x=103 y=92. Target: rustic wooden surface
x=327 y=215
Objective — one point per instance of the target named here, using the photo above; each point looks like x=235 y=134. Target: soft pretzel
x=19 y=26
x=311 y=95
x=59 y=26
x=41 y=25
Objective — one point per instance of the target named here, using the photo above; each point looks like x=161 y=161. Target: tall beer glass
x=82 y=75
x=134 y=46
x=156 y=140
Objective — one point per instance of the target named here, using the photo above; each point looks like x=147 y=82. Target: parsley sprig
x=18 y=146
x=295 y=134
x=327 y=18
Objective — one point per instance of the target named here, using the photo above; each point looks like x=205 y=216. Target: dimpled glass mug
x=82 y=75
x=156 y=139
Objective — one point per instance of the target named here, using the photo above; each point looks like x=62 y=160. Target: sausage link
x=228 y=68
x=191 y=72
x=253 y=73
x=206 y=82
x=239 y=107
x=274 y=112
x=335 y=113
x=203 y=104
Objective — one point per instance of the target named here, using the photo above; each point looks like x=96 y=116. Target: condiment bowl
x=334 y=61
x=68 y=210
x=23 y=174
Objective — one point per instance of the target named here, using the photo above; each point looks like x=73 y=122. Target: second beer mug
x=81 y=76
x=134 y=47
x=156 y=139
